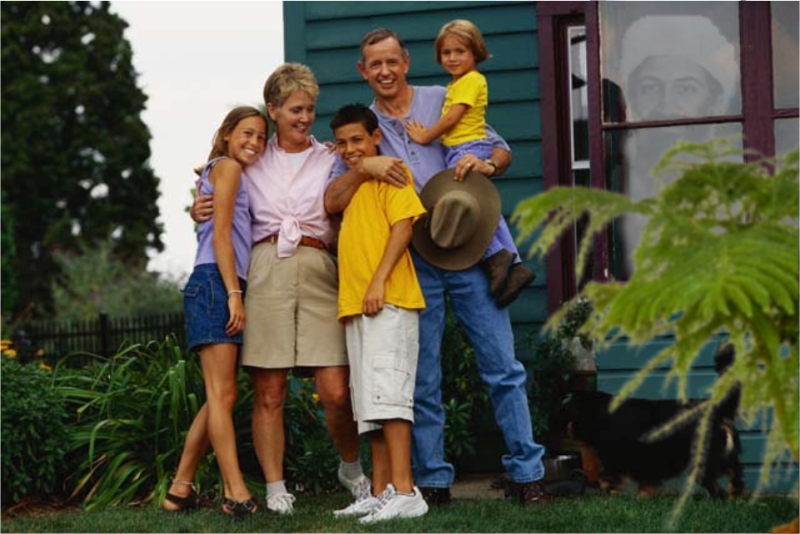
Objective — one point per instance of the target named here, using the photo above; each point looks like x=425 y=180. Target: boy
x=379 y=303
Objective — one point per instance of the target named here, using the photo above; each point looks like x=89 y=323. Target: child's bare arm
x=226 y=177
x=399 y=239
x=419 y=133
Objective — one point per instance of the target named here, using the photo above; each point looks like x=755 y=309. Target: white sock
x=351 y=470
x=274 y=488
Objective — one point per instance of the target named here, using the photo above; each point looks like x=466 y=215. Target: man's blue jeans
x=489 y=330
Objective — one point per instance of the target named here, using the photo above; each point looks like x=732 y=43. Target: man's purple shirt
x=423 y=160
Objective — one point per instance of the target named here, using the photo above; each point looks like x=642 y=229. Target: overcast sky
x=195 y=60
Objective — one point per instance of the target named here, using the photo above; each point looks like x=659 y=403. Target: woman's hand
x=202 y=208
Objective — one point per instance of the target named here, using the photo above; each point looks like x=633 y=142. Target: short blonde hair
x=466 y=32
x=287 y=79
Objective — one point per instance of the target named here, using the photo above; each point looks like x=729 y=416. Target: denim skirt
x=205 y=307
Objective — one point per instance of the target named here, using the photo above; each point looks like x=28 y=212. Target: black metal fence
x=103 y=336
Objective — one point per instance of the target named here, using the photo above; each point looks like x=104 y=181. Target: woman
x=291 y=300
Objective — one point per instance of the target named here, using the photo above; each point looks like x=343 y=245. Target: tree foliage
x=718 y=255
x=95 y=282
x=8 y=253
x=75 y=150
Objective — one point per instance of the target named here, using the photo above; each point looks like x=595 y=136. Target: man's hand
x=202 y=208
x=385 y=168
x=468 y=163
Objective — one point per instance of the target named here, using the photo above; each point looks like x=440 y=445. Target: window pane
x=629 y=172
x=786 y=135
x=669 y=60
x=785 y=56
x=579 y=94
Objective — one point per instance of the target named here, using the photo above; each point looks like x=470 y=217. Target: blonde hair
x=219 y=146
x=287 y=79
x=468 y=34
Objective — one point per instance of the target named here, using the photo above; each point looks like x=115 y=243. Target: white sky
x=195 y=60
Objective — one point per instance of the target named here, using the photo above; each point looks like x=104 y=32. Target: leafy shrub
x=311 y=461
x=131 y=414
x=34 y=432
x=549 y=377
x=577 y=313
x=718 y=256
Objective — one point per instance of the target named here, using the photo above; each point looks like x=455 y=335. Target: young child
x=379 y=303
x=214 y=325
x=462 y=129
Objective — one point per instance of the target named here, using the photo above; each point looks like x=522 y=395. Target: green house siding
x=326 y=37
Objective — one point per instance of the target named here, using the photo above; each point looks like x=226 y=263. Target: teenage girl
x=462 y=129
x=214 y=310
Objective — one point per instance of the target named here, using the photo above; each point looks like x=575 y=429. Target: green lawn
x=313 y=514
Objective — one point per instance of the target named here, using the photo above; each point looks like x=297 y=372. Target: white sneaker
x=360 y=507
x=360 y=487
x=281 y=503
x=393 y=504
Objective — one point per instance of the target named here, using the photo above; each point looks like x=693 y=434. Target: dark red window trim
x=757 y=116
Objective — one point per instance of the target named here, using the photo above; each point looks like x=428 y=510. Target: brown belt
x=305 y=241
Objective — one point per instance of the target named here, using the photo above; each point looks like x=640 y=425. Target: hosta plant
x=718 y=256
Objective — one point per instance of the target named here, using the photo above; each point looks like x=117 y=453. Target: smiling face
x=247 y=140
x=384 y=67
x=293 y=120
x=354 y=143
x=456 y=56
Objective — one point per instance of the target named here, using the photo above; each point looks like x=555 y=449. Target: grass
x=595 y=513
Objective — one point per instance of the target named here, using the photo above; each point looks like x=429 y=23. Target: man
x=384 y=64
x=672 y=67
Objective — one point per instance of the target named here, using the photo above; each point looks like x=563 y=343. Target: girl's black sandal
x=239 y=509
x=184 y=504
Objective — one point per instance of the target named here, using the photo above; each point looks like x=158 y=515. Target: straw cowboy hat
x=461 y=219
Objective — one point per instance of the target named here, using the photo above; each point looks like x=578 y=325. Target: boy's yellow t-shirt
x=471 y=89
x=366 y=225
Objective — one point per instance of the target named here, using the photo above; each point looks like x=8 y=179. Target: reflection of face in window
x=671 y=67
x=678 y=66
x=671 y=87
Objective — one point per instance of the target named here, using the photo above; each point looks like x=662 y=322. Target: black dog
x=617 y=438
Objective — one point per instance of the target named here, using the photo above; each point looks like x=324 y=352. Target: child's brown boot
x=519 y=277
x=496 y=268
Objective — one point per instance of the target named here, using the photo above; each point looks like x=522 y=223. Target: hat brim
x=467 y=255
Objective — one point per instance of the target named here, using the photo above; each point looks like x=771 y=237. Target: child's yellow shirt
x=366 y=227
x=472 y=90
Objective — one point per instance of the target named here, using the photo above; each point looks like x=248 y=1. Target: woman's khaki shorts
x=291 y=310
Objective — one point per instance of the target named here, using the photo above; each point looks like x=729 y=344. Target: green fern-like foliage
x=718 y=255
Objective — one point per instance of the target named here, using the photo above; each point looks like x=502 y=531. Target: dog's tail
x=732 y=465
x=726 y=415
